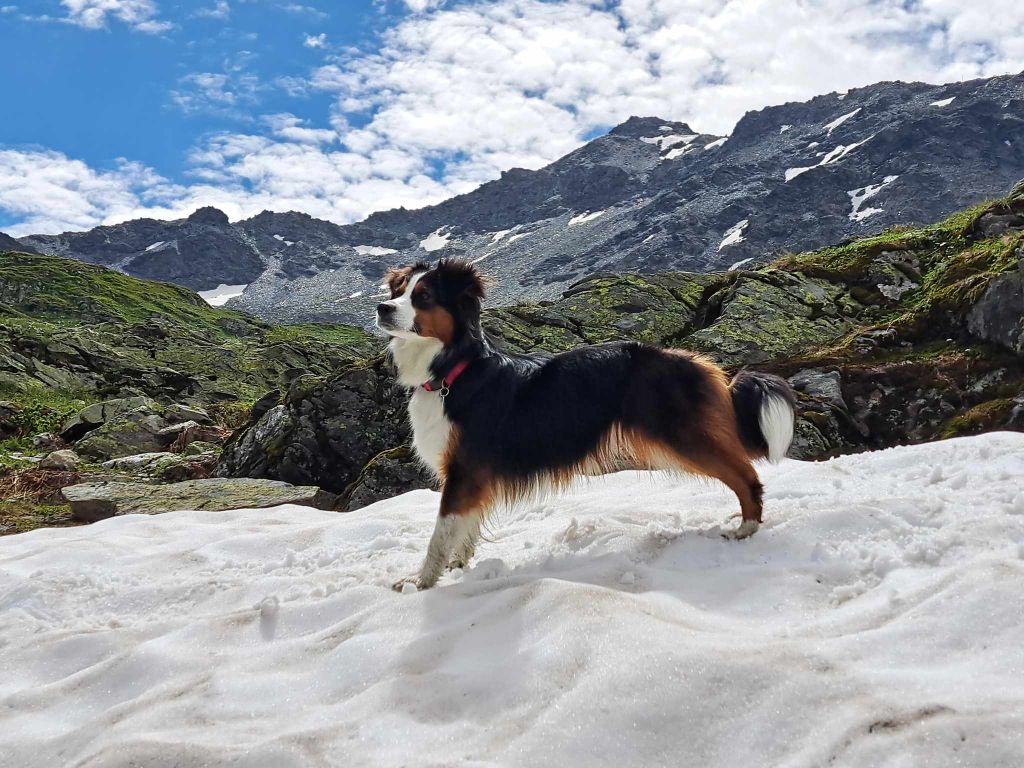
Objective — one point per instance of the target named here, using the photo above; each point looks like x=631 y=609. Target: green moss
x=983 y=417
x=40 y=409
x=24 y=516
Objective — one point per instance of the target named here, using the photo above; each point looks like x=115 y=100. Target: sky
x=116 y=109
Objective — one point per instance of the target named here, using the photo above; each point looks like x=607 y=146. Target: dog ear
x=394 y=278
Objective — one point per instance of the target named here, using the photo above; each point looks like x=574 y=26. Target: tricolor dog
x=497 y=427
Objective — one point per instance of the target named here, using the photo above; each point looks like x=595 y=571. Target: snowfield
x=877 y=619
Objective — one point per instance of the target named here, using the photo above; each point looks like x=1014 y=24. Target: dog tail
x=764 y=406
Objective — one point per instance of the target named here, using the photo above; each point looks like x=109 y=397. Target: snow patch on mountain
x=220 y=295
x=373 y=250
x=280 y=238
x=154 y=246
x=860 y=195
x=833 y=156
x=943 y=102
x=671 y=140
x=734 y=234
x=582 y=218
x=435 y=241
x=716 y=143
x=829 y=127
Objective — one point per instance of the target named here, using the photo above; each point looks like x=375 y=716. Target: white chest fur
x=430 y=427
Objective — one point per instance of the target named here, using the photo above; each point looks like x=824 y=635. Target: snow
x=829 y=127
x=517 y=237
x=716 y=143
x=874 y=620
x=860 y=195
x=942 y=102
x=218 y=296
x=734 y=234
x=435 y=241
x=833 y=156
x=155 y=245
x=580 y=219
x=281 y=238
x=740 y=263
x=373 y=250
x=355 y=295
x=792 y=173
x=785 y=128
x=497 y=236
x=664 y=142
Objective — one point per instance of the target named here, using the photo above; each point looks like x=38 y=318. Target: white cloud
x=138 y=14
x=220 y=10
x=475 y=88
x=306 y=10
x=419 y=6
x=315 y=41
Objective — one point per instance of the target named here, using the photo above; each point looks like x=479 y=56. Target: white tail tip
x=776 y=422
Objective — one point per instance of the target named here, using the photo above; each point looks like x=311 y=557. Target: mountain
x=651 y=195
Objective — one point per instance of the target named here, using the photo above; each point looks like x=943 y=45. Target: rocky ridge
x=650 y=196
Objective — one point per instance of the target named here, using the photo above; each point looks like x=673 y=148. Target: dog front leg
x=455 y=531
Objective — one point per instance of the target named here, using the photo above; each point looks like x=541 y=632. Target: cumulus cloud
x=230 y=92
x=453 y=95
x=219 y=10
x=315 y=41
x=93 y=14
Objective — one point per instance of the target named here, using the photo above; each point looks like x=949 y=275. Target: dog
x=497 y=427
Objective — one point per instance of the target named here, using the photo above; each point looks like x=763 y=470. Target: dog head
x=440 y=302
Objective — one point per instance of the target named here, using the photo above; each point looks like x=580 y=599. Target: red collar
x=443 y=385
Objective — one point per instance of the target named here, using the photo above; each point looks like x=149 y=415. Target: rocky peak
x=209 y=215
x=645 y=127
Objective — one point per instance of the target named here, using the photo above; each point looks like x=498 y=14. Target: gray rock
x=182 y=413
x=826 y=386
x=97 y=414
x=63 y=460
x=139 y=462
x=48 y=441
x=124 y=434
x=998 y=316
x=95 y=501
x=173 y=430
x=8 y=419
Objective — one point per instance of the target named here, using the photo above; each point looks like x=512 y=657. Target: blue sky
x=120 y=108
x=99 y=94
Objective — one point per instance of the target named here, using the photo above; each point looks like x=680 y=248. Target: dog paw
x=405 y=586
x=745 y=530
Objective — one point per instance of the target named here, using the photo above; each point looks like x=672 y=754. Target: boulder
x=165 y=466
x=126 y=433
x=9 y=426
x=998 y=316
x=325 y=434
x=97 y=414
x=63 y=461
x=178 y=412
x=48 y=442
x=96 y=501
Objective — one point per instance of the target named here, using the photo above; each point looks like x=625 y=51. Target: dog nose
x=383 y=310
